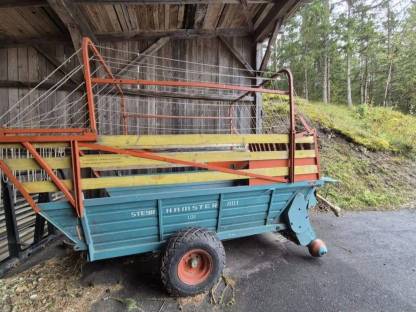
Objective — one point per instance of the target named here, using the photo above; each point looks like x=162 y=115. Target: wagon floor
x=373 y=273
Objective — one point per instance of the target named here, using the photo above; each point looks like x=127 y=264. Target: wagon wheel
x=193 y=261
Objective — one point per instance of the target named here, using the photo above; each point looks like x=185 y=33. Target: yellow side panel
x=114 y=161
x=166 y=141
x=163 y=179
x=155 y=141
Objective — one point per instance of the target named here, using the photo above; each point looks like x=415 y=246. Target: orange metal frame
x=84 y=137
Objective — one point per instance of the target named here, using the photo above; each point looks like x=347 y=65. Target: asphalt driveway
x=371 y=266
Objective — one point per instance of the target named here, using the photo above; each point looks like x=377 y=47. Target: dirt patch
x=368 y=180
x=53 y=285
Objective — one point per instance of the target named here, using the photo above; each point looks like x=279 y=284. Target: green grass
x=370 y=154
x=366 y=181
x=376 y=128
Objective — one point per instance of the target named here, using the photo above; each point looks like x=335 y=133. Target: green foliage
x=378 y=37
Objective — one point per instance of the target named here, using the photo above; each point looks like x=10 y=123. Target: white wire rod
x=86 y=113
x=64 y=125
x=177 y=60
x=82 y=115
x=40 y=83
x=158 y=116
x=166 y=103
x=180 y=129
x=28 y=109
x=177 y=69
x=185 y=71
x=45 y=95
x=59 y=106
x=57 y=118
x=26 y=125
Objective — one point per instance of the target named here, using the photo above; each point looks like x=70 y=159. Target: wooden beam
x=223 y=13
x=131 y=35
x=279 y=10
x=30 y=41
x=247 y=15
x=238 y=56
x=173 y=34
x=148 y=2
x=178 y=95
x=272 y=40
x=74 y=20
x=22 y=3
x=141 y=57
x=201 y=12
x=258 y=98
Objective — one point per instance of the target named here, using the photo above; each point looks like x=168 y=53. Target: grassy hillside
x=370 y=151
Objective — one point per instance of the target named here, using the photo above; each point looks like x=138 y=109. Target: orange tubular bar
x=86 y=44
x=153 y=156
x=19 y=186
x=87 y=76
x=190 y=84
x=44 y=165
x=43 y=130
x=88 y=137
x=76 y=179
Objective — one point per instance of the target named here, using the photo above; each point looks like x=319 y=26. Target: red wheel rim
x=194 y=267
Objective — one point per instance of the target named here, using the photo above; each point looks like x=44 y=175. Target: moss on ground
x=370 y=151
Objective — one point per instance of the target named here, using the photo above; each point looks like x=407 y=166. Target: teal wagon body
x=138 y=220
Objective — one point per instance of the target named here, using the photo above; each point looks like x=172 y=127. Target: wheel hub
x=195 y=266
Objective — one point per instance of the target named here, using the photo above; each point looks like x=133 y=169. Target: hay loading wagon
x=127 y=187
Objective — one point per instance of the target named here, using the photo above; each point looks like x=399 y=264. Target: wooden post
x=11 y=224
x=258 y=96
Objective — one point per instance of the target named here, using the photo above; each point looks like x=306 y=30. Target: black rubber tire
x=177 y=246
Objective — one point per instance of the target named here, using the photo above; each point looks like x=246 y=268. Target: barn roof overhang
x=38 y=22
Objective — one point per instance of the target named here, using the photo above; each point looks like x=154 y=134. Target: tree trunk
x=386 y=90
x=366 y=81
x=349 y=95
x=361 y=82
x=389 y=55
x=329 y=80
x=325 y=80
x=306 y=90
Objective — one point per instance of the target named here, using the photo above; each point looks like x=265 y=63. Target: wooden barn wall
x=25 y=64
x=203 y=51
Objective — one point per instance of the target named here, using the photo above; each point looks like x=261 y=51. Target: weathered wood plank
x=168 y=141
x=238 y=56
x=114 y=161
x=163 y=179
x=141 y=57
x=272 y=41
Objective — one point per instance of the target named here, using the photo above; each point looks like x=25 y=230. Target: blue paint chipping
x=140 y=219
